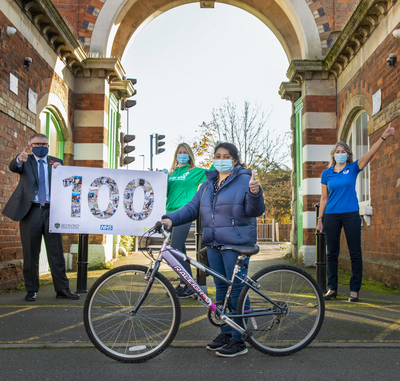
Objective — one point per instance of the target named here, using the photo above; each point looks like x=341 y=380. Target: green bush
x=127 y=242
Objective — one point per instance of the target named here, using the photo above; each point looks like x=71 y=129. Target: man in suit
x=29 y=204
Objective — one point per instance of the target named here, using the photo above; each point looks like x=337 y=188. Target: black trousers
x=32 y=227
x=351 y=222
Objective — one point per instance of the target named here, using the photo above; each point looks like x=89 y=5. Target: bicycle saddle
x=247 y=250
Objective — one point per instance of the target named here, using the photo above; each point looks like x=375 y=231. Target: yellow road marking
x=18 y=311
x=49 y=333
x=195 y=320
x=393 y=327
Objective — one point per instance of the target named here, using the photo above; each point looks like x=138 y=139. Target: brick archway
x=107 y=27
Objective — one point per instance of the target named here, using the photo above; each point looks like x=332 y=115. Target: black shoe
x=185 y=292
x=330 y=296
x=67 y=294
x=31 y=297
x=353 y=299
x=219 y=341
x=232 y=348
x=179 y=288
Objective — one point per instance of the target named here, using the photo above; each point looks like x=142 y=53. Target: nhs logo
x=106 y=227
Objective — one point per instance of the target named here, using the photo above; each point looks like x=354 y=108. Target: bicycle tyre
x=296 y=291
x=109 y=322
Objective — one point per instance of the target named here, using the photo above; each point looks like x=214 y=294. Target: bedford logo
x=57 y=225
x=69 y=226
x=106 y=227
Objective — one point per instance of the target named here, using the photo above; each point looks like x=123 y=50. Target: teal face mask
x=223 y=166
x=340 y=158
x=182 y=158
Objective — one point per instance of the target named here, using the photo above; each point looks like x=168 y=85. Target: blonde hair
x=346 y=148
x=191 y=161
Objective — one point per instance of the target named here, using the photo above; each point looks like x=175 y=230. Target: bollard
x=83 y=248
x=321 y=253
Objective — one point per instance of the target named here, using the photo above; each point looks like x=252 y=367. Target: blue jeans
x=351 y=223
x=224 y=262
x=178 y=239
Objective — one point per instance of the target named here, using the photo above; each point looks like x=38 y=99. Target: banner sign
x=106 y=201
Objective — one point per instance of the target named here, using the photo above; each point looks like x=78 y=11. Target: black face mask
x=40 y=151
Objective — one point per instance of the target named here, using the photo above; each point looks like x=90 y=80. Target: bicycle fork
x=150 y=275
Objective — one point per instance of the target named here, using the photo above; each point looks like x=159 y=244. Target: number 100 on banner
x=105 y=201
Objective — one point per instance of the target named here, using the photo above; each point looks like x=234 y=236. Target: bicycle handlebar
x=160 y=228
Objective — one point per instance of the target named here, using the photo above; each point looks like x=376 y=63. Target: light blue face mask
x=182 y=158
x=223 y=166
x=340 y=158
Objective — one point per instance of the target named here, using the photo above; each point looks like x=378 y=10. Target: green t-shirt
x=182 y=186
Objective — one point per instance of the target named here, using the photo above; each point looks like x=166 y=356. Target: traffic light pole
x=151 y=152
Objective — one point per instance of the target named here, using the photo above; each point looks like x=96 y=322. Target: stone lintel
x=305 y=67
x=383 y=117
x=122 y=89
x=110 y=68
x=290 y=91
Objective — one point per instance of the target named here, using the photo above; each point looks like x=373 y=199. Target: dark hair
x=233 y=151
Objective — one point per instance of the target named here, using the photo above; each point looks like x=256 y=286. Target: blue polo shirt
x=342 y=195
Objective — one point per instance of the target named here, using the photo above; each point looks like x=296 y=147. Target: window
x=359 y=144
x=51 y=126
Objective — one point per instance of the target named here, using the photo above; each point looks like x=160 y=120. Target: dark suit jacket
x=20 y=201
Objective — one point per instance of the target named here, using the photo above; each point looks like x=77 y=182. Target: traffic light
x=159 y=143
x=126 y=149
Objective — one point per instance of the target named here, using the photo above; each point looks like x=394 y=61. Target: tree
x=276 y=185
x=249 y=132
x=258 y=150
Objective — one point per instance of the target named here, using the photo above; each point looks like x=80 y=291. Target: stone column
x=319 y=135
x=93 y=84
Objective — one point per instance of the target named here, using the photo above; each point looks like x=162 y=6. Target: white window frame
x=363 y=205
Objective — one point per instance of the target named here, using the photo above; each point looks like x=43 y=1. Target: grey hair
x=346 y=148
x=39 y=136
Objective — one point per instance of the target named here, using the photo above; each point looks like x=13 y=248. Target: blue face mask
x=340 y=158
x=40 y=151
x=182 y=158
x=223 y=166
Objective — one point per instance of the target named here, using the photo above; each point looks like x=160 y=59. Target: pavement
x=373 y=322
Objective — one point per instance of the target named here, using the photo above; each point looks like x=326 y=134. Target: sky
x=187 y=61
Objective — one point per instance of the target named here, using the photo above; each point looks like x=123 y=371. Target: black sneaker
x=232 y=348
x=219 y=342
x=185 y=292
x=178 y=288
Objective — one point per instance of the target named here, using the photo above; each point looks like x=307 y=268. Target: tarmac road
x=46 y=340
x=195 y=364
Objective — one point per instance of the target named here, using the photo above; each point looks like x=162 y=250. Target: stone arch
x=51 y=100
x=358 y=103
x=109 y=31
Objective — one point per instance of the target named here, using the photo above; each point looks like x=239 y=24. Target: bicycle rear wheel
x=298 y=294
x=119 y=333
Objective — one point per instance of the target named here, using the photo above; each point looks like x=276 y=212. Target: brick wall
x=381 y=240
x=17 y=125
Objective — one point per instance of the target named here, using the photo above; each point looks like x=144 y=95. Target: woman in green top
x=183 y=181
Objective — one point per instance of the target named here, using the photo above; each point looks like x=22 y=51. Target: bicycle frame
x=170 y=256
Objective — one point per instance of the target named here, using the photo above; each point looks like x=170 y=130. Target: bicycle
x=132 y=312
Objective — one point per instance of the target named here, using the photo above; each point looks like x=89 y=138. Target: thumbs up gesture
x=253 y=185
x=388 y=132
x=23 y=156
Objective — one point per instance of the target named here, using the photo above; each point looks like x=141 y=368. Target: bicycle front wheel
x=300 y=298
x=116 y=330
